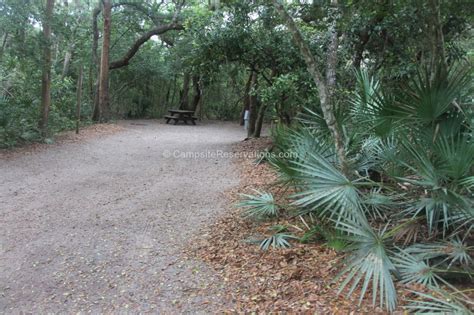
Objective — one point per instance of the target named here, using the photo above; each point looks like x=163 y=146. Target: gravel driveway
x=99 y=226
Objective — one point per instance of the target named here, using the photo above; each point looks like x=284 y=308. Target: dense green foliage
x=219 y=48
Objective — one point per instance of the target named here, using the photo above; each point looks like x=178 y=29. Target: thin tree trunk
x=325 y=88
x=199 y=110
x=173 y=94
x=438 y=55
x=246 y=102
x=184 y=101
x=95 y=65
x=90 y=83
x=104 y=106
x=46 y=77
x=253 y=106
x=67 y=61
x=262 y=109
x=197 y=93
x=78 y=104
x=259 y=122
x=168 y=93
x=4 y=44
x=364 y=37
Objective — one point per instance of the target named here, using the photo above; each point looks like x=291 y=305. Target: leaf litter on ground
x=296 y=279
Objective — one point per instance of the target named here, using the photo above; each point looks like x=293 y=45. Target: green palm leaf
x=430 y=96
x=456 y=155
x=325 y=190
x=414 y=269
x=369 y=264
x=277 y=240
x=455 y=250
x=441 y=303
x=260 y=205
x=371 y=108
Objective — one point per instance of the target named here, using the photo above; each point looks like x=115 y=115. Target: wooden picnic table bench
x=179 y=114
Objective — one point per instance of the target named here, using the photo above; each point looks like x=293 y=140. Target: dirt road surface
x=99 y=225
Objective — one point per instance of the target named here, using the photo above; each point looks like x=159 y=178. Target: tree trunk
x=101 y=108
x=184 y=101
x=104 y=106
x=364 y=37
x=438 y=55
x=259 y=122
x=78 y=99
x=197 y=93
x=325 y=89
x=46 y=77
x=90 y=83
x=283 y=114
x=168 y=93
x=173 y=93
x=67 y=61
x=4 y=44
x=246 y=102
x=95 y=65
x=253 y=106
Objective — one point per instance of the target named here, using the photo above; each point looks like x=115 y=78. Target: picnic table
x=179 y=114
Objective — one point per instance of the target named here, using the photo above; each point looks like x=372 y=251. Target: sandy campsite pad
x=98 y=222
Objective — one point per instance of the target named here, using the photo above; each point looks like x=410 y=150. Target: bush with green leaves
x=406 y=204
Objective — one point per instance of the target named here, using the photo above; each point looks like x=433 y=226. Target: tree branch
x=124 y=61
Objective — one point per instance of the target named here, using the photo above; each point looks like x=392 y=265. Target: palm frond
x=454 y=251
x=295 y=144
x=325 y=190
x=420 y=164
x=468 y=182
x=456 y=154
x=260 y=205
x=314 y=121
x=440 y=199
x=370 y=107
x=414 y=269
x=369 y=262
x=378 y=205
x=441 y=303
x=277 y=240
x=430 y=96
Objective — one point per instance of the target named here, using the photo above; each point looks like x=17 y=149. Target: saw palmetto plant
x=411 y=154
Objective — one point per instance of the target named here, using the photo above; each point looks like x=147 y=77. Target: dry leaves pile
x=296 y=280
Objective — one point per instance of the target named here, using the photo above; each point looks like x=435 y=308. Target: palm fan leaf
x=414 y=269
x=260 y=205
x=369 y=264
x=429 y=96
x=325 y=190
x=441 y=303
